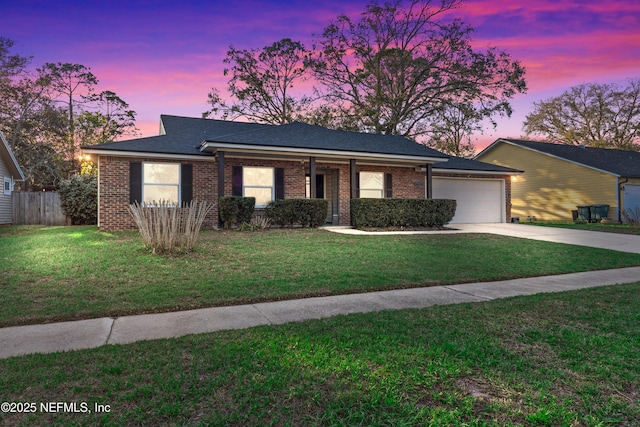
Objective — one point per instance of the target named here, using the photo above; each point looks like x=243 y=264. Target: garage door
x=631 y=197
x=479 y=200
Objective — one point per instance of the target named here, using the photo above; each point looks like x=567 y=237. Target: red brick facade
x=114 y=184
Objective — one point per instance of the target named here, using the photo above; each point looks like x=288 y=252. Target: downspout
x=620 y=184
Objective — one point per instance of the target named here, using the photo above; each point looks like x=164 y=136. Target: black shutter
x=279 y=183
x=186 y=183
x=358 y=185
x=237 y=181
x=388 y=186
x=319 y=187
x=135 y=182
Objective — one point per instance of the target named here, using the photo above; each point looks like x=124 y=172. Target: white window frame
x=178 y=185
x=382 y=190
x=7 y=185
x=272 y=187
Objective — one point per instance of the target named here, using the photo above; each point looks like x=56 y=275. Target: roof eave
x=477 y=172
x=148 y=154
x=14 y=167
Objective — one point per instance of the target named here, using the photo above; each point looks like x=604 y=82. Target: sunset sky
x=163 y=57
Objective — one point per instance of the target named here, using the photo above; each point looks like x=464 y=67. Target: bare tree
x=397 y=67
x=452 y=130
x=262 y=82
x=597 y=115
x=112 y=119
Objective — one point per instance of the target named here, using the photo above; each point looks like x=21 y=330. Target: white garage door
x=479 y=200
x=632 y=197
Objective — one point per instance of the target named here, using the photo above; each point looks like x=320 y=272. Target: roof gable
x=617 y=162
x=9 y=159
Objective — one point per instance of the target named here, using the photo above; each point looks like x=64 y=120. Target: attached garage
x=632 y=197
x=479 y=200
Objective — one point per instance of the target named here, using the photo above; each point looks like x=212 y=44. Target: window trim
x=272 y=186
x=162 y=184
x=7 y=185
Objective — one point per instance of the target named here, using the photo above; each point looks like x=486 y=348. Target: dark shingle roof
x=459 y=163
x=185 y=136
x=618 y=162
x=305 y=136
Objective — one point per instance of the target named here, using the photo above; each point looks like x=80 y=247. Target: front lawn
x=565 y=359
x=63 y=273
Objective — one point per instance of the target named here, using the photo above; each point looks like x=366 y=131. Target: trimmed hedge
x=235 y=210
x=401 y=212
x=290 y=212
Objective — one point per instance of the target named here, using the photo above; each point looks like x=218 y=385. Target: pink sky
x=163 y=57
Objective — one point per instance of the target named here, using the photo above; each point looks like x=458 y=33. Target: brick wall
x=114 y=190
x=114 y=185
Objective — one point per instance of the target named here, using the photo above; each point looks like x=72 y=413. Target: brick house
x=203 y=159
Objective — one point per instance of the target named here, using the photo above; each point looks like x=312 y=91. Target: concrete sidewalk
x=64 y=336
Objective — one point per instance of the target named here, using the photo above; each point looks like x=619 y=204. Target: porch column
x=220 y=182
x=312 y=178
x=353 y=179
x=220 y=174
x=429 y=181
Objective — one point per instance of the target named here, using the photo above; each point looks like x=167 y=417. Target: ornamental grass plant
x=166 y=228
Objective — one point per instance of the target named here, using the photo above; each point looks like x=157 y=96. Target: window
x=259 y=183
x=7 y=186
x=161 y=182
x=372 y=185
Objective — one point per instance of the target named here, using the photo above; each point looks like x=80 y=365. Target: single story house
x=560 y=177
x=10 y=172
x=204 y=159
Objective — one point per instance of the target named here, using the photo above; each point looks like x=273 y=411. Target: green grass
x=566 y=359
x=607 y=228
x=63 y=273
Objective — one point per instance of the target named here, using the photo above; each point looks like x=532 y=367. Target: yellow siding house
x=557 y=178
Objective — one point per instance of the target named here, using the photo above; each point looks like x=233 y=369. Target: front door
x=327 y=188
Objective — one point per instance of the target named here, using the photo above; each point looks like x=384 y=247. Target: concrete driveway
x=595 y=239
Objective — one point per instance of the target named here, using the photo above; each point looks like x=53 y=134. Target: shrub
x=235 y=210
x=401 y=212
x=257 y=223
x=166 y=228
x=304 y=212
x=79 y=199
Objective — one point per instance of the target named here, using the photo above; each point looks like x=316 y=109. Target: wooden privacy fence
x=38 y=208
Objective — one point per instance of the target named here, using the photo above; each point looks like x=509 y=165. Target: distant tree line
x=48 y=112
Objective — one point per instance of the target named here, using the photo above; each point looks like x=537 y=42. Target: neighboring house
x=560 y=177
x=10 y=172
x=203 y=159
